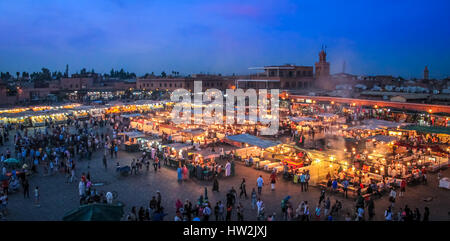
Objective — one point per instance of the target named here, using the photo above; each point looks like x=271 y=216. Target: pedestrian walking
x=260 y=184
x=402 y=188
x=26 y=191
x=253 y=196
x=307 y=177
x=322 y=195
x=240 y=212
x=243 y=189
x=105 y=164
x=302 y=182
x=326 y=207
x=37 y=197
x=273 y=179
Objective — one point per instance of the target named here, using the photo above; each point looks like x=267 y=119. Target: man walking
x=243 y=189
x=260 y=183
x=105 y=164
x=26 y=191
x=302 y=181
x=345 y=184
x=37 y=197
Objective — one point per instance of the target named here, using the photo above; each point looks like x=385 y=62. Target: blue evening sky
x=397 y=37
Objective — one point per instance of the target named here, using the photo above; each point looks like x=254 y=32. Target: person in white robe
x=228 y=169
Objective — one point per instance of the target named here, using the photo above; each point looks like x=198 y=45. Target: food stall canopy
x=131 y=115
x=150 y=138
x=194 y=131
x=179 y=146
x=382 y=124
x=326 y=115
x=252 y=140
x=428 y=129
x=383 y=138
x=365 y=127
x=301 y=119
x=133 y=134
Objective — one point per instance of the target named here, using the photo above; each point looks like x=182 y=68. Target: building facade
x=286 y=76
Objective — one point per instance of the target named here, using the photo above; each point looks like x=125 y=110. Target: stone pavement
x=59 y=197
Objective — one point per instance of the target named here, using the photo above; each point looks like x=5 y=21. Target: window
x=151 y=84
x=170 y=85
x=165 y=84
x=160 y=85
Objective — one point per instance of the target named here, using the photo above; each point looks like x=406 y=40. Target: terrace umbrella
x=11 y=161
x=95 y=212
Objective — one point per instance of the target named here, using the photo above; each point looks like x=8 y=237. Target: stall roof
x=252 y=140
x=383 y=138
x=301 y=119
x=131 y=115
x=194 y=131
x=382 y=123
x=133 y=134
x=179 y=146
x=326 y=115
x=428 y=129
x=150 y=138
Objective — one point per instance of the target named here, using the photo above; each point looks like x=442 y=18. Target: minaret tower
x=426 y=73
x=323 y=71
x=322 y=67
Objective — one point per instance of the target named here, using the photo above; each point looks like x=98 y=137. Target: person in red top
x=273 y=179
x=424 y=175
x=402 y=188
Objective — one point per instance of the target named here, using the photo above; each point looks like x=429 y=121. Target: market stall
x=130 y=140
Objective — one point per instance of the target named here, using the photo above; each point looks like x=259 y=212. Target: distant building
x=170 y=84
x=286 y=76
x=173 y=83
x=343 y=78
x=75 y=83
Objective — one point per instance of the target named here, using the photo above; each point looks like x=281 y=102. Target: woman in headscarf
x=185 y=172
x=178 y=204
x=215 y=184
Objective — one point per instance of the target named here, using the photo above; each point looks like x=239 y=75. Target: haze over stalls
x=192 y=36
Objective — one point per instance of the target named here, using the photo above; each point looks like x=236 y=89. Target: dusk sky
x=191 y=36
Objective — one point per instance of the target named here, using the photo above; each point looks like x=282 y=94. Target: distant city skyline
x=395 y=38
